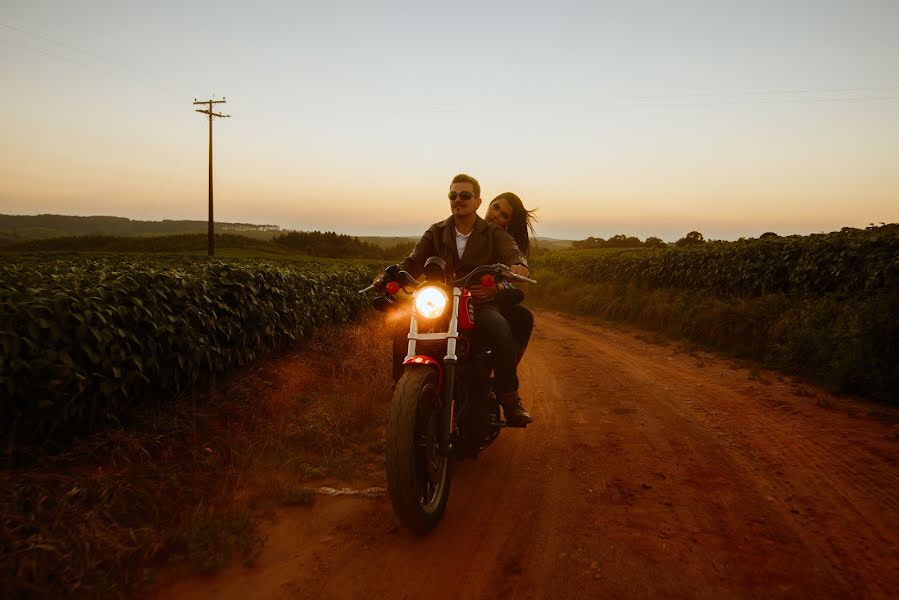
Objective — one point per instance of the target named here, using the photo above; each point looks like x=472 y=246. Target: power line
x=860 y=94
x=62 y=44
x=128 y=68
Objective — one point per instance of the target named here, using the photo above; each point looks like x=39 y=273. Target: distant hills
x=22 y=228
x=17 y=228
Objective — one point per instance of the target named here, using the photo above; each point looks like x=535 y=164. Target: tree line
x=43 y=226
x=334 y=245
x=630 y=241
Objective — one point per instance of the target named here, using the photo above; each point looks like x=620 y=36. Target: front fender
x=420 y=359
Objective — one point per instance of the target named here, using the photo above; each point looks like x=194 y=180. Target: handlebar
x=496 y=269
x=405 y=276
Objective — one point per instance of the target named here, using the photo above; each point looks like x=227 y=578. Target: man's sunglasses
x=460 y=195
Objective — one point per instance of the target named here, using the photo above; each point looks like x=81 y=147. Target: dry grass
x=188 y=486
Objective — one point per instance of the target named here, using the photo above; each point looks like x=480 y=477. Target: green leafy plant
x=85 y=339
x=825 y=305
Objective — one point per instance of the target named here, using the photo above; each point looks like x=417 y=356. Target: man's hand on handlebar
x=520 y=269
x=483 y=293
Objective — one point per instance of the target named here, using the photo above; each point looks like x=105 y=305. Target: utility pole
x=211 y=114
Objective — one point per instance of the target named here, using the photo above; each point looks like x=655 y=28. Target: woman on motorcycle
x=508 y=211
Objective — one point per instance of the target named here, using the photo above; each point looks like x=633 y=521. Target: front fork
x=449 y=398
x=449 y=377
x=449 y=369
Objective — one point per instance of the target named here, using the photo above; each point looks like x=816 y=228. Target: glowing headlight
x=430 y=302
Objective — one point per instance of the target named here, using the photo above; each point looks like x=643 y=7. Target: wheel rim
x=430 y=464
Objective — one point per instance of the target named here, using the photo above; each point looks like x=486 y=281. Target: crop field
x=825 y=305
x=84 y=339
x=851 y=262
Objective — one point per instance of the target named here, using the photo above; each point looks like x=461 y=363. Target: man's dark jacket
x=488 y=244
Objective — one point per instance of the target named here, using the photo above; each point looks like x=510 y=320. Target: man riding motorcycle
x=466 y=241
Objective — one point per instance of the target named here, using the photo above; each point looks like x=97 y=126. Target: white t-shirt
x=461 y=242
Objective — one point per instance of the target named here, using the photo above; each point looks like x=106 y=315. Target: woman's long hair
x=522 y=223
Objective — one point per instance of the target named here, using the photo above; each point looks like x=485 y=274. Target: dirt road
x=650 y=472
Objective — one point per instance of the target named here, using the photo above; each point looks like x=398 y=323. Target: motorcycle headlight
x=430 y=302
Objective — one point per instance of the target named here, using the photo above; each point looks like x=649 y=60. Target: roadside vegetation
x=87 y=340
x=824 y=305
x=184 y=485
x=155 y=407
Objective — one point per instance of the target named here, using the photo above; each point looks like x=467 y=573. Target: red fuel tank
x=466 y=312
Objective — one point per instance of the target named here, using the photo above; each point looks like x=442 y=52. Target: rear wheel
x=418 y=477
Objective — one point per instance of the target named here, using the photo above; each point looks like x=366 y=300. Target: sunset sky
x=639 y=117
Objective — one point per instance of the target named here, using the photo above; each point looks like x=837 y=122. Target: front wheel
x=418 y=477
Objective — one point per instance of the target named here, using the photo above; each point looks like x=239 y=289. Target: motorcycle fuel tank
x=466 y=312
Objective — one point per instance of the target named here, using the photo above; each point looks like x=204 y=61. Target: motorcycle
x=444 y=406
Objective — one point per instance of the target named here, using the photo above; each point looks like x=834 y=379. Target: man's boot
x=516 y=415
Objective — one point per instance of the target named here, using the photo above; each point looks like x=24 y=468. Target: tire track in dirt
x=648 y=472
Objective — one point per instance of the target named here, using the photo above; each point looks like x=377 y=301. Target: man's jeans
x=492 y=330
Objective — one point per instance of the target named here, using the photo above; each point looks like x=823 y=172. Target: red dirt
x=649 y=472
